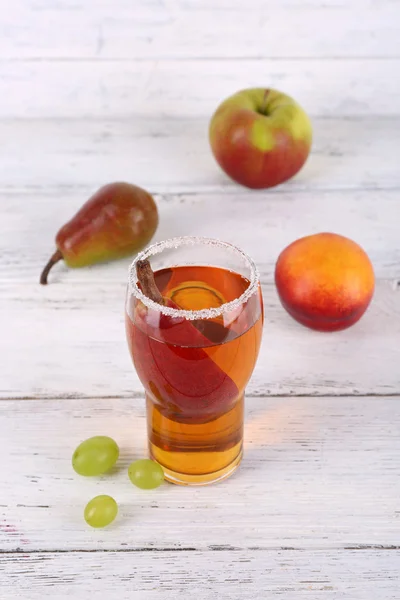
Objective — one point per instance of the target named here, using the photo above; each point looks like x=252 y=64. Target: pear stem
x=53 y=260
x=145 y=276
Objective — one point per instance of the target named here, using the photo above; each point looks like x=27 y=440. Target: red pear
x=117 y=221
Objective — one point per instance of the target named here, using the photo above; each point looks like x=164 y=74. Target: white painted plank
x=317 y=473
x=262 y=223
x=78 y=317
x=355 y=574
x=157 y=29
x=154 y=88
x=69 y=340
x=173 y=155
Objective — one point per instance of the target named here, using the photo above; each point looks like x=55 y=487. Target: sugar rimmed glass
x=195 y=353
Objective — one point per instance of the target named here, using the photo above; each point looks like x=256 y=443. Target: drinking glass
x=194 y=353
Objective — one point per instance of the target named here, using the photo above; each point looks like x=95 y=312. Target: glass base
x=201 y=479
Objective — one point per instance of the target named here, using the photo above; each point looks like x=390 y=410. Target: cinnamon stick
x=215 y=332
x=145 y=276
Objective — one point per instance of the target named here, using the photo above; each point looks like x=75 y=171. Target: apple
x=260 y=137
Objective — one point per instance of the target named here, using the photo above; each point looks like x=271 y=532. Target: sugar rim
x=205 y=313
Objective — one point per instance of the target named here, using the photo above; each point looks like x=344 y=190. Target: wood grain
x=69 y=340
x=262 y=223
x=191 y=29
x=174 y=156
x=318 y=473
x=78 y=318
x=225 y=574
x=172 y=88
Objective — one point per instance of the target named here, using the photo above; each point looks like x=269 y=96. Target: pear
x=117 y=221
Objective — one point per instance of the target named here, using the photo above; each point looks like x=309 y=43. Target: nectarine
x=325 y=281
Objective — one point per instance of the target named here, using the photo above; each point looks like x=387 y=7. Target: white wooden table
x=92 y=92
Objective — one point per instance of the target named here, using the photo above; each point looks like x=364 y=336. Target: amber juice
x=195 y=372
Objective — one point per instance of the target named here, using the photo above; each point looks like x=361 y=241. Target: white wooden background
x=93 y=91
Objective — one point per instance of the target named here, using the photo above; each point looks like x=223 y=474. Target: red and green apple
x=260 y=137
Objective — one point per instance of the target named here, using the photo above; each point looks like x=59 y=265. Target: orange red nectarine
x=325 y=281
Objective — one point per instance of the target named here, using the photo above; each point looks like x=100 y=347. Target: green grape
x=100 y=511
x=95 y=456
x=146 y=474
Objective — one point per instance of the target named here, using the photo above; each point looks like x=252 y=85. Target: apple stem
x=53 y=260
x=264 y=102
x=145 y=276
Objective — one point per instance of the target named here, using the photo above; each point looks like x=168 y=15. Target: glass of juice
x=194 y=318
